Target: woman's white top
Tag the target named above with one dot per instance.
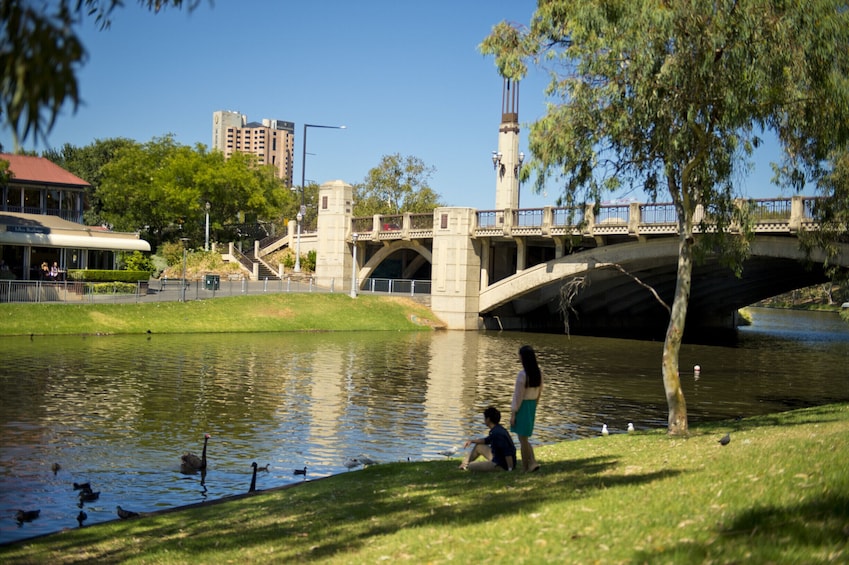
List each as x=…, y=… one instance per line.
x=522, y=393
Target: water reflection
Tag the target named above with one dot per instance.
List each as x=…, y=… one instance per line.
x=119, y=411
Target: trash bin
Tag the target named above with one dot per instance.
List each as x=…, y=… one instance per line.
x=211, y=282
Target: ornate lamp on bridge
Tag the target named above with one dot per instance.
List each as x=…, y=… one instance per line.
x=303, y=209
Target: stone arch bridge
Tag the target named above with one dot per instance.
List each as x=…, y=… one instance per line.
x=508, y=269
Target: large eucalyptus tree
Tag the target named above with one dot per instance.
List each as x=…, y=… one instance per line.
x=672, y=97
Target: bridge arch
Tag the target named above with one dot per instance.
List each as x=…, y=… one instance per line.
x=612, y=298
x=386, y=251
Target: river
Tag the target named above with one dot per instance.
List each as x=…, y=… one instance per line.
x=118, y=411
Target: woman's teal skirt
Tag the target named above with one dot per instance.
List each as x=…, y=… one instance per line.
x=525, y=418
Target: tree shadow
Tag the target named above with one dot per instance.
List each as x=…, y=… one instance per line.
x=769, y=534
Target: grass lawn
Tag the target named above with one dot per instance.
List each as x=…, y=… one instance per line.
x=254, y=313
x=778, y=493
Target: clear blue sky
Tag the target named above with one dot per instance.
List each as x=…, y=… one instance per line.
x=404, y=77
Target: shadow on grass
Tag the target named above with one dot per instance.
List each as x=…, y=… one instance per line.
x=805, y=416
x=339, y=514
x=794, y=533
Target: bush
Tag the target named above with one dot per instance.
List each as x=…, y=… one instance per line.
x=97, y=275
x=113, y=288
x=137, y=261
x=172, y=251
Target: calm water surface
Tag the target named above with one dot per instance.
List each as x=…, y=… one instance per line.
x=119, y=411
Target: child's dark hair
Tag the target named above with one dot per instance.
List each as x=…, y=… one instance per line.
x=493, y=414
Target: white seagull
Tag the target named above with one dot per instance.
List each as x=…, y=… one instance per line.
x=630, y=427
x=366, y=460
x=450, y=452
x=604, y=431
x=351, y=463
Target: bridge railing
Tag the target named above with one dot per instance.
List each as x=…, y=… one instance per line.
x=769, y=215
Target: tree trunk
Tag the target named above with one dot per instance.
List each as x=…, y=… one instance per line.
x=672, y=343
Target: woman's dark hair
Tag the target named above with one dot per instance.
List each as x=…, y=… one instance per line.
x=533, y=377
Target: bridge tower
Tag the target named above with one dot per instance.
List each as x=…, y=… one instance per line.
x=507, y=161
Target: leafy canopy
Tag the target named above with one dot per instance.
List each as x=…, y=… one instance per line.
x=41, y=54
x=396, y=185
x=161, y=188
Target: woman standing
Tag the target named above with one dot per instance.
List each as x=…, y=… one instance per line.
x=524, y=406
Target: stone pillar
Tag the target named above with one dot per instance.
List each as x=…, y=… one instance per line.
x=456, y=274
x=334, y=252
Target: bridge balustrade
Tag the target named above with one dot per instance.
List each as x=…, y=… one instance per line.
x=567, y=216
x=528, y=218
x=658, y=213
x=769, y=215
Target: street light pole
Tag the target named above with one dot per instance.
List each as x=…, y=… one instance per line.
x=206, y=239
x=185, y=241
x=354, y=268
x=303, y=209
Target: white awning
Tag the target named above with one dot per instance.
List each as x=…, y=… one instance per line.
x=91, y=241
x=52, y=231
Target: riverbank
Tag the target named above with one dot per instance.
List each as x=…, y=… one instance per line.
x=281, y=312
x=778, y=492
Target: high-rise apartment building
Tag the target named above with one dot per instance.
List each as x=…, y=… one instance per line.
x=272, y=141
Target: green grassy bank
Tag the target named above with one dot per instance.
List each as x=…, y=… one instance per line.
x=259, y=313
x=777, y=493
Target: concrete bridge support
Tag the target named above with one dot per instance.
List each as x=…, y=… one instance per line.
x=456, y=274
x=334, y=254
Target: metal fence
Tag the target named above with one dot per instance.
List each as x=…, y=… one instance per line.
x=176, y=290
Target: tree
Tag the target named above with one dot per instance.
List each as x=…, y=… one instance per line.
x=398, y=184
x=161, y=188
x=670, y=97
x=40, y=56
x=87, y=163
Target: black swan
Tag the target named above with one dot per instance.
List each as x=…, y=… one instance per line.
x=124, y=514
x=82, y=486
x=253, y=479
x=191, y=463
x=81, y=518
x=26, y=515
x=301, y=471
x=89, y=496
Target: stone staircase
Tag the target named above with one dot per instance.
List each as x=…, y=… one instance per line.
x=263, y=271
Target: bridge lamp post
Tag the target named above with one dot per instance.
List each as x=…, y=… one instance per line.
x=354, y=268
x=303, y=209
x=185, y=241
x=206, y=238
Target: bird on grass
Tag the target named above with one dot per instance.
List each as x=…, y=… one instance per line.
x=725, y=440
x=352, y=463
x=630, y=427
x=191, y=463
x=81, y=517
x=366, y=460
x=604, y=430
x=252, y=488
x=26, y=515
x=301, y=471
x=450, y=452
x=125, y=514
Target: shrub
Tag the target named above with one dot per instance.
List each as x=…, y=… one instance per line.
x=137, y=261
x=113, y=288
x=97, y=275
